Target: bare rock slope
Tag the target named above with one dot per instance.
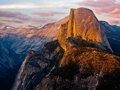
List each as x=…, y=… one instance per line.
x=83, y=23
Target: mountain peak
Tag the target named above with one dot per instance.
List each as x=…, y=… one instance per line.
x=83, y=23
x=82, y=9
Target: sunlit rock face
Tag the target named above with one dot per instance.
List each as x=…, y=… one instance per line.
x=98, y=62
x=83, y=23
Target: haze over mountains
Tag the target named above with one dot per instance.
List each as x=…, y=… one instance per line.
x=9, y=64
x=25, y=38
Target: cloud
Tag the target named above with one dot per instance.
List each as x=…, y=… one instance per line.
x=31, y=21
x=41, y=21
x=97, y=3
x=115, y=13
x=47, y=13
x=29, y=6
x=12, y=21
x=19, y=6
x=18, y=19
x=16, y=15
x=101, y=6
x=107, y=8
x=114, y=22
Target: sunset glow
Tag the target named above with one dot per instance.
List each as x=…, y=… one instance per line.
x=40, y=12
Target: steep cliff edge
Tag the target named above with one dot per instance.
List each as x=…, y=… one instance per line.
x=113, y=35
x=83, y=23
x=82, y=70
x=37, y=65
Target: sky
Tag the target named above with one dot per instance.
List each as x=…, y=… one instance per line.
x=40, y=12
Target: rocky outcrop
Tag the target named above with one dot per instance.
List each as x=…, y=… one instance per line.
x=38, y=70
x=37, y=65
x=92, y=63
x=83, y=23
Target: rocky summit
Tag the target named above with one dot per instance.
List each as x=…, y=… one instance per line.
x=83, y=23
x=80, y=59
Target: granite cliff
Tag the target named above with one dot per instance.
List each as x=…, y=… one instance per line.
x=83, y=23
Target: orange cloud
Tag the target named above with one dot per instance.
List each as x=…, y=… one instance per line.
x=16, y=15
x=101, y=6
x=115, y=11
x=110, y=8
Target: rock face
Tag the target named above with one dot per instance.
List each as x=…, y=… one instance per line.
x=92, y=66
x=113, y=35
x=37, y=70
x=83, y=23
x=37, y=65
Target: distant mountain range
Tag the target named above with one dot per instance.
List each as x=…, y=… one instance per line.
x=113, y=35
x=26, y=38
